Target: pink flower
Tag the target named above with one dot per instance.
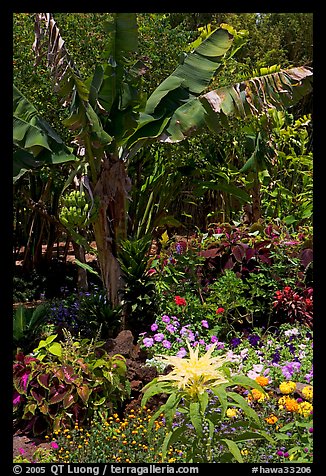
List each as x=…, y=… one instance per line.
x=54, y=445
x=22, y=451
x=205, y=324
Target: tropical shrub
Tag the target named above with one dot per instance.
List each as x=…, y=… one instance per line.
x=64, y=382
x=27, y=323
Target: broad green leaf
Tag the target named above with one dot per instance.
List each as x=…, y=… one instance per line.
x=221, y=394
x=19, y=323
x=55, y=349
x=234, y=449
x=195, y=417
x=249, y=412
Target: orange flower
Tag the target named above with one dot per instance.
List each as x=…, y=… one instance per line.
x=271, y=419
x=257, y=395
x=262, y=381
x=291, y=405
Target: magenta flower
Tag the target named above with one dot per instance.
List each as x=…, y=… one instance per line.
x=22, y=451
x=166, y=344
x=166, y=319
x=54, y=445
x=171, y=328
x=159, y=337
x=205, y=324
x=154, y=327
x=182, y=352
x=148, y=342
x=214, y=339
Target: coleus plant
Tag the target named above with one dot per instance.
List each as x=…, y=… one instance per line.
x=65, y=382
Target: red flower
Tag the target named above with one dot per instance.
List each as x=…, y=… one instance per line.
x=220, y=310
x=180, y=301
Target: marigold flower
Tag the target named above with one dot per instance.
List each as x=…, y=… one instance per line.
x=305, y=408
x=291, y=405
x=271, y=419
x=257, y=395
x=262, y=381
x=232, y=412
x=307, y=392
x=287, y=387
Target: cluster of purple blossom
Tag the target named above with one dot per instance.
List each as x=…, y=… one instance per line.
x=170, y=330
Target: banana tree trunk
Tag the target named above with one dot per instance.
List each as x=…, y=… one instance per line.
x=110, y=226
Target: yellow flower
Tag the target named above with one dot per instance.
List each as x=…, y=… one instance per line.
x=304, y=408
x=244, y=452
x=195, y=374
x=307, y=392
x=232, y=412
x=291, y=405
x=271, y=419
x=287, y=387
x=262, y=381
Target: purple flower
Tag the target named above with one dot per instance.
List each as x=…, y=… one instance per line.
x=254, y=339
x=290, y=368
x=235, y=341
x=178, y=248
x=311, y=430
x=154, y=327
x=286, y=454
x=159, y=337
x=191, y=336
x=279, y=453
x=182, y=352
x=214, y=339
x=202, y=342
x=170, y=328
x=205, y=324
x=220, y=345
x=166, y=344
x=148, y=342
x=276, y=357
x=166, y=319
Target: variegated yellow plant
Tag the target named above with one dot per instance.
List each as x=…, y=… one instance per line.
x=194, y=375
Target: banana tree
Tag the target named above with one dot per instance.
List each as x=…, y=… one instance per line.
x=112, y=119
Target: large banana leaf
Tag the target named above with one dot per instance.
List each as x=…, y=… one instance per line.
x=69, y=85
x=172, y=107
x=279, y=90
x=36, y=141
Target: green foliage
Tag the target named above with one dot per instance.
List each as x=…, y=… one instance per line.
x=138, y=293
x=27, y=323
x=65, y=382
x=230, y=293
